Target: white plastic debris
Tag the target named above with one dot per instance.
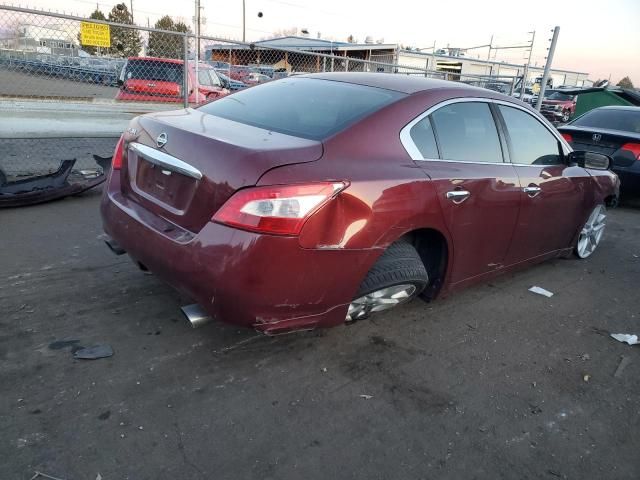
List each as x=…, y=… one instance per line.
x=626, y=338
x=541, y=291
x=366, y=397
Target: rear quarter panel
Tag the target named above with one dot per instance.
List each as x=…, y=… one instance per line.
x=388, y=196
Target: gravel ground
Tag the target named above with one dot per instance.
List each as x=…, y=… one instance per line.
x=494, y=382
x=25, y=84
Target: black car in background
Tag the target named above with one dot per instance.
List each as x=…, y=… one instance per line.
x=614, y=131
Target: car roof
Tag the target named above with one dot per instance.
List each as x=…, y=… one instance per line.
x=401, y=83
x=630, y=108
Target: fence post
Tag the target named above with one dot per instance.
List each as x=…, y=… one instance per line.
x=185, y=71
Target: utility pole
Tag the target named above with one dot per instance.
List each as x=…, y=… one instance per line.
x=490, y=45
x=196, y=55
x=199, y=23
x=244, y=22
x=131, y=5
x=525, y=76
x=547, y=67
x=434, y=67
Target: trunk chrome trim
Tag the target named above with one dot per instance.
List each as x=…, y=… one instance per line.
x=165, y=160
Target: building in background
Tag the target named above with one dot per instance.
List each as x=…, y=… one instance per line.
x=465, y=66
x=35, y=38
x=449, y=64
x=263, y=53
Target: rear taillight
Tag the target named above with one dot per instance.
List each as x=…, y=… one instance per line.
x=116, y=162
x=278, y=209
x=567, y=137
x=634, y=148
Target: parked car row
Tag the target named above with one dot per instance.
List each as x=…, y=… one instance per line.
x=92, y=70
x=162, y=80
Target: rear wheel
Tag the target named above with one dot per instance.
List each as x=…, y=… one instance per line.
x=591, y=232
x=397, y=277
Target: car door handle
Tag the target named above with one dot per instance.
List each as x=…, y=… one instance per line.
x=532, y=190
x=458, y=196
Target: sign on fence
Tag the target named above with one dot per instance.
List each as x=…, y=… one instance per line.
x=95, y=34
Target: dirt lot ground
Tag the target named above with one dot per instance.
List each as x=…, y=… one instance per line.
x=25, y=84
x=487, y=384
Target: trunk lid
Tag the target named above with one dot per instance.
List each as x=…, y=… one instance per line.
x=602, y=140
x=204, y=160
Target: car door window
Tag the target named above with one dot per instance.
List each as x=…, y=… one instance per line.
x=215, y=81
x=467, y=132
x=531, y=142
x=204, y=78
x=422, y=135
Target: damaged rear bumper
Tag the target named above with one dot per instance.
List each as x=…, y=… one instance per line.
x=53, y=186
x=266, y=282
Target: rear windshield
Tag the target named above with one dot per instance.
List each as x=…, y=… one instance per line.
x=303, y=107
x=153, y=70
x=625, y=120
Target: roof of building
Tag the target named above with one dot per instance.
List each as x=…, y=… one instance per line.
x=306, y=43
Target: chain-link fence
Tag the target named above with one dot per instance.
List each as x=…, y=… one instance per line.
x=69, y=85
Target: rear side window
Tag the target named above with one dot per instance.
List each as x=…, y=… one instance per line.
x=303, y=107
x=425, y=141
x=531, y=143
x=467, y=132
x=613, y=119
x=208, y=78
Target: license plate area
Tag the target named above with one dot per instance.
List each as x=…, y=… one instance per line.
x=163, y=186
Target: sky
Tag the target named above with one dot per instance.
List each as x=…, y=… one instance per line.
x=598, y=37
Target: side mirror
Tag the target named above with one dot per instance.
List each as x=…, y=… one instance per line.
x=592, y=160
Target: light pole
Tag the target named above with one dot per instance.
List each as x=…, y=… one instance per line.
x=244, y=22
x=547, y=67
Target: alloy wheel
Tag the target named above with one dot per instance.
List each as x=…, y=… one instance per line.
x=380, y=300
x=591, y=233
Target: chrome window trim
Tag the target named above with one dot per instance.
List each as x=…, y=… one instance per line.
x=165, y=160
x=413, y=151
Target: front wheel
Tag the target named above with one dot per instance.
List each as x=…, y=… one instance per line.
x=591, y=232
x=565, y=116
x=397, y=277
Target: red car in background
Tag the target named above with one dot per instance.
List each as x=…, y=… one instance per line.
x=558, y=106
x=318, y=199
x=150, y=79
x=239, y=72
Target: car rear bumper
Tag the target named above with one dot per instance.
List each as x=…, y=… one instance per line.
x=141, y=97
x=266, y=282
x=629, y=178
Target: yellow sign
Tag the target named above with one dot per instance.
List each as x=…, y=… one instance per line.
x=95, y=34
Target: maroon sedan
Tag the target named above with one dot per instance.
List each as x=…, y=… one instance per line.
x=316, y=199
